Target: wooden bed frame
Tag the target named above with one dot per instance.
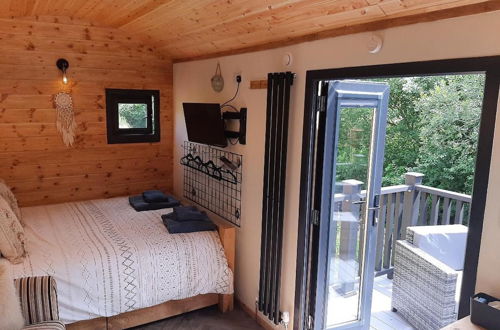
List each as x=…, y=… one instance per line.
x=227, y=235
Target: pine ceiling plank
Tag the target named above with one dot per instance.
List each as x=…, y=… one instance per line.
x=87, y=8
x=276, y=23
x=53, y=7
x=135, y=10
x=406, y=7
x=351, y=29
x=17, y=7
x=184, y=29
x=270, y=25
x=233, y=37
x=203, y=14
x=41, y=7
x=29, y=7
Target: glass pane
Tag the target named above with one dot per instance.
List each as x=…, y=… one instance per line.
x=132, y=115
x=346, y=243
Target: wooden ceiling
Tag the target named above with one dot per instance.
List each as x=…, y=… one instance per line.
x=191, y=29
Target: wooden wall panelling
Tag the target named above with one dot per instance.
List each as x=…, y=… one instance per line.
x=33, y=159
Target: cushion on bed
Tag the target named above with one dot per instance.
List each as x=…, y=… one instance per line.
x=154, y=196
x=11, y=317
x=178, y=227
x=11, y=234
x=9, y=196
x=139, y=204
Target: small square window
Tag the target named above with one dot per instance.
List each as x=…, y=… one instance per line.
x=132, y=115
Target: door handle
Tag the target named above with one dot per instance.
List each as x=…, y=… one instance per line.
x=375, y=207
x=358, y=202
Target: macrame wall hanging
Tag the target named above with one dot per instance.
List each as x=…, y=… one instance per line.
x=65, y=117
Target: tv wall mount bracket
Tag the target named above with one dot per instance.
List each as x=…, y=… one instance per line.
x=241, y=135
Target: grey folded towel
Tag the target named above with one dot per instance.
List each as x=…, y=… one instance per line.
x=189, y=213
x=154, y=196
x=139, y=204
x=177, y=227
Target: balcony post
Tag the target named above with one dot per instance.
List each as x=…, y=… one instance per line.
x=349, y=233
x=411, y=202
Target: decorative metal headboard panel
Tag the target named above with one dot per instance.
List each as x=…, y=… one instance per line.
x=212, y=182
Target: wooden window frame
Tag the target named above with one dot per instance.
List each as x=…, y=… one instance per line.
x=307, y=230
x=132, y=135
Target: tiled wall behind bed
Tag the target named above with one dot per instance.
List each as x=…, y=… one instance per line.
x=33, y=158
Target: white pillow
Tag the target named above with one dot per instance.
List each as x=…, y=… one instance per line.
x=11, y=317
x=9, y=196
x=11, y=234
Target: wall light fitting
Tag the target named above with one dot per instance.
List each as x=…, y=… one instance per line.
x=63, y=65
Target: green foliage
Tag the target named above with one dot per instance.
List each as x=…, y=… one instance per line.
x=354, y=142
x=432, y=128
x=450, y=114
x=403, y=126
x=132, y=115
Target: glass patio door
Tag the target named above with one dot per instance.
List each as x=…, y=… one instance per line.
x=354, y=135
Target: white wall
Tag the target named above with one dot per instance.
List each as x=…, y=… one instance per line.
x=460, y=37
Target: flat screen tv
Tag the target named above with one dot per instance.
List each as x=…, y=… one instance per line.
x=204, y=124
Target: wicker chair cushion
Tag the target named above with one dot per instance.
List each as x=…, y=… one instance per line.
x=446, y=243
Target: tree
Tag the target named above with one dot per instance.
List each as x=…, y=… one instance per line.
x=132, y=115
x=450, y=114
x=432, y=127
x=403, y=126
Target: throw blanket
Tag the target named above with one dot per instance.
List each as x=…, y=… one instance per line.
x=108, y=259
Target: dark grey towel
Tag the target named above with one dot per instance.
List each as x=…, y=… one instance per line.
x=189, y=213
x=138, y=203
x=177, y=227
x=154, y=196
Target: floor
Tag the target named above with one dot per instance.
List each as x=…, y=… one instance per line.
x=206, y=319
x=210, y=318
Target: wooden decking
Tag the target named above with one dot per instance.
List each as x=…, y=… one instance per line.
x=382, y=317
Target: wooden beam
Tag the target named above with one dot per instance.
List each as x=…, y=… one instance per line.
x=258, y=84
x=382, y=24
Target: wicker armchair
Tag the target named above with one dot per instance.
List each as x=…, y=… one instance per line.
x=423, y=289
x=38, y=297
x=427, y=268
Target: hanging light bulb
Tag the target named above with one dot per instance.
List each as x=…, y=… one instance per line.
x=63, y=65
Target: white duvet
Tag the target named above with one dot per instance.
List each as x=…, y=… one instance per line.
x=109, y=259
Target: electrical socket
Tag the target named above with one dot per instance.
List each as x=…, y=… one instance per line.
x=237, y=77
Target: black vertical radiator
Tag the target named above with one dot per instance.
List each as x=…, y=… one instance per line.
x=273, y=198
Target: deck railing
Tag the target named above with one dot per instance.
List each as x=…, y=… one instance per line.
x=401, y=206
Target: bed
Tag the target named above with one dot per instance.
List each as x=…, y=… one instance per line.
x=116, y=267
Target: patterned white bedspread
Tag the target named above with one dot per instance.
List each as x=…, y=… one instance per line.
x=109, y=259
